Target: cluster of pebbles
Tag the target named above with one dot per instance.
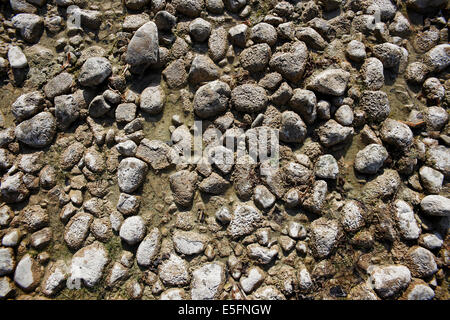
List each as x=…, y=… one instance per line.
x=95, y=202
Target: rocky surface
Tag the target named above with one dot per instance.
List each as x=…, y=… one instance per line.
x=224, y=149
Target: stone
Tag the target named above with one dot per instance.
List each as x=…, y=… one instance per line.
x=352, y=216
x=125, y=112
x=433, y=89
x=311, y=37
x=396, y=133
x=263, y=198
x=71, y=155
x=128, y=204
x=189, y=242
x=156, y=153
x=54, y=278
x=67, y=111
x=420, y=292
x=98, y=107
x=17, y=58
x=249, y=98
x=223, y=215
x=101, y=229
x=34, y=218
x=244, y=221
x=400, y=26
x=292, y=129
x=93, y=160
x=268, y=293
x=199, y=29
x=435, y=118
x=431, y=179
x=13, y=189
x=165, y=21
x=175, y=74
x=173, y=293
x=304, y=102
x=332, y=133
x=324, y=237
x=12, y=238
x=436, y=205
x=190, y=8
x=238, y=35
x=389, y=280
x=94, y=71
x=88, y=264
x=254, y=278
x=131, y=174
x=27, y=105
x=6, y=288
x=438, y=157
x=202, y=69
x=431, y=241
x=416, y=72
x=133, y=22
x=117, y=273
x=370, y=159
x=136, y=4
x=133, y=230
x=183, y=184
x=263, y=33
x=291, y=65
x=38, y=131
x=372, y=73
x=421, y=262
x=382, y=186
x=255, y=58
x=326, y=167
x=148, y=248
x=127, y=148
x=28, y=273
x=438, y=58
x=214, y=184
x=344, y=115
x=218, y=44
x=77, y=229
x=316, y=198
x=356, y=51
x=7, y=261
x=389, y=54
x=59, y=85
x=152, y=100
x=207, y=281
x=40, y=239
x=261, y=255
x=331, y=81
x=30, y=26
x=406, y=222
x=143, y=49
x=174, y=271
x=214, y=6
x=211, y=99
